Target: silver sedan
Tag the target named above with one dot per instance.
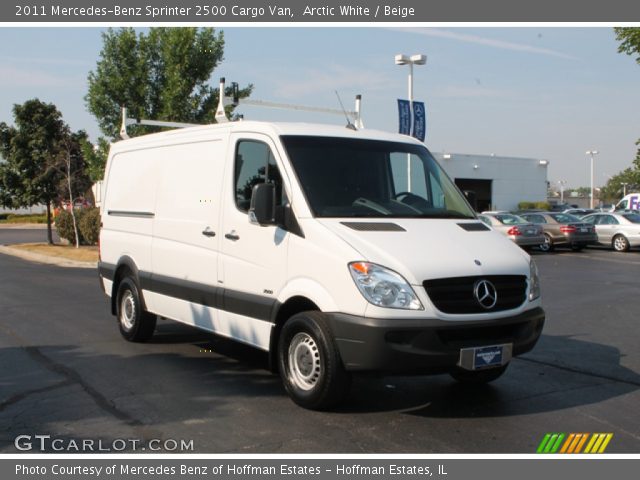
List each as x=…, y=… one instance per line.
x=523, y=233
x=618, y=230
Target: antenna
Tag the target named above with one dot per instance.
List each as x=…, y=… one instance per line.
x=350, y=125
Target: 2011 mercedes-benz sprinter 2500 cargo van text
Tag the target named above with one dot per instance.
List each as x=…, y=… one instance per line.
x=337, y=251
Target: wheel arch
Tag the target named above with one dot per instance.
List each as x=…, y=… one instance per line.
x=620, y=235
x=125, y=265
x=292, y=306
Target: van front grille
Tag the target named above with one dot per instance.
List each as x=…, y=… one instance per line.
x=457, y=294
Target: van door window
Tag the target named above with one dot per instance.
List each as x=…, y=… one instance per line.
x=255, y=164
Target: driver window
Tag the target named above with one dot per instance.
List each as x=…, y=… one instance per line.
x=408, y=174
x=255, y=164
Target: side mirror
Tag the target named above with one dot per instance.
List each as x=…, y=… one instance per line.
x=262, y=210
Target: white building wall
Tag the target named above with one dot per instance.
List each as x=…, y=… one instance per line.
x=514, y=179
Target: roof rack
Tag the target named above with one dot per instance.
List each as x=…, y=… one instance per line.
x=224, y=100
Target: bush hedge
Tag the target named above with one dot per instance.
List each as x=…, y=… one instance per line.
x=88, y=222
x=534, y=205
x=89, y=225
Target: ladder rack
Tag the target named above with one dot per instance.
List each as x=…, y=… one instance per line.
x=224, y=100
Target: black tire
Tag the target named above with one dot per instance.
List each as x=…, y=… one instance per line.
x=620, y=243
x=478, y=377
x=547, y=246
x=136, y=325
x=310, y=363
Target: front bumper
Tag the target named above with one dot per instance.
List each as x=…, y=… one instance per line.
x=404, y=346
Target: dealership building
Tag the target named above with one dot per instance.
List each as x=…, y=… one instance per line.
x=497, y=183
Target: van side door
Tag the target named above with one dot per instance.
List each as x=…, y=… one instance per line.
x=186, y=232
x=253, y=261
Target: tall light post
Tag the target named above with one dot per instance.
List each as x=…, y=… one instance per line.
x=562, y=183
x=624, y=189
x=591, y=153
x=412, y=60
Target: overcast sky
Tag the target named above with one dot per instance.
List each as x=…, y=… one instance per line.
x=548, y=93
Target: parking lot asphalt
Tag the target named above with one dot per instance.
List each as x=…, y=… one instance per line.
x=66, y=372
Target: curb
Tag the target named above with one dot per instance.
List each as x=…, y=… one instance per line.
x=40, y=258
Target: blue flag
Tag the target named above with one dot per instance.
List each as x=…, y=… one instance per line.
x=419, y=121
x=404, y=113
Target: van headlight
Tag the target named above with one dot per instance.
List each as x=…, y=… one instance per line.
x=534, y=281
x=383, y=287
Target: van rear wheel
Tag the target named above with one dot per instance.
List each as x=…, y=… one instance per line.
x=310, y=363
x=136, y=325
x=478, y=377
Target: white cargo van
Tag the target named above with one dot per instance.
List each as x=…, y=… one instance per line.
x=336, y=250
x=629, y=202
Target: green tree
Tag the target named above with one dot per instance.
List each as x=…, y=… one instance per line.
x=95, y=157
x=28, y=149
x=164, y=74
x=43, y=159
x=628, y=179
x=629, y=38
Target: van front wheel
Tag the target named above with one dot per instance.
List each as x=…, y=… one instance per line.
x=135, y=324
x=310, y=363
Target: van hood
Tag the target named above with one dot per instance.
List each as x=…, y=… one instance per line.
x=422, y=249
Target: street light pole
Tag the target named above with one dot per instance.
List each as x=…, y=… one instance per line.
x=562, y=183
x=591, y=153
x=412, y=60
x=624, y=189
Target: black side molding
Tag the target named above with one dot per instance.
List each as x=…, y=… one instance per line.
x=130, y=213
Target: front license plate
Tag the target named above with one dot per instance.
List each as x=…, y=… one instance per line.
x=478, y=358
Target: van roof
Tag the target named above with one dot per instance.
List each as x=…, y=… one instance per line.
x=273, y=128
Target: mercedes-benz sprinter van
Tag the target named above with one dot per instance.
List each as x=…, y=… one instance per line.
x=337, y=251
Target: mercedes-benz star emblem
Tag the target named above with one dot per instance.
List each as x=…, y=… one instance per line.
x=486, y=294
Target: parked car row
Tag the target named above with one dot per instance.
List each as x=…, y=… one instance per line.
x=548, y=230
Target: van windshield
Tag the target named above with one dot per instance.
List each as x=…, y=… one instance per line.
x=343, y=177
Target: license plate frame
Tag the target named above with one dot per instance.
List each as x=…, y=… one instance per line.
x=486, y=356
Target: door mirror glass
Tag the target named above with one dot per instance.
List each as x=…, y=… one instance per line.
x=262, y=210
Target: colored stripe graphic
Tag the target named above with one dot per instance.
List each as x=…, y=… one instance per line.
x=574, y=443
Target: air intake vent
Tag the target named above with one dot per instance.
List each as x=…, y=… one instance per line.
x=474, y=227
x=374, y=226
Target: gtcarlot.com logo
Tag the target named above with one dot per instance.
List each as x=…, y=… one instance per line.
x=47, y=443
x=574, y=443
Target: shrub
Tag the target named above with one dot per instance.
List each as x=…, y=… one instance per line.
x=526, y=205
x=89, y=225
x=534, y=205
x=64, y=226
